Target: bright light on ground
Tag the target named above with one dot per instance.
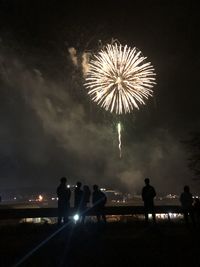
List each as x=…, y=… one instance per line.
x=76, y=217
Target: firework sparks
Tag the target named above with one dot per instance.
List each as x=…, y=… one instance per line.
x=118, y=79
x=119, y=139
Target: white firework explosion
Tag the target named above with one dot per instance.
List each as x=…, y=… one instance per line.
x=118, y=79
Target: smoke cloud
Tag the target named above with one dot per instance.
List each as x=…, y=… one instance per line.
x=47, y=133
x=73, y=55
x=85, y=62
x=80, y=61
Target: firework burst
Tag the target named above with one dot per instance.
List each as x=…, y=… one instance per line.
x=118, y=78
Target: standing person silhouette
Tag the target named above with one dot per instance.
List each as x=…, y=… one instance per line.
x=186, y=200
x=85, y=200
x=197, y=210
x=78, y=197
x=99, y=200
x=148, y=195
x=63, y=194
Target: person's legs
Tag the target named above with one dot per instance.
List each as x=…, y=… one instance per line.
x=103, y=214
x=65, y=213
x=59, y=220
x=98, y=218
x=98, y=214
x=153, y=214
x=185, y=214
x=154, y=217
x=83, y=211
x=66, y=219
x=59, y=215
x=191, y=213
x=146, y=214
x=83, y=219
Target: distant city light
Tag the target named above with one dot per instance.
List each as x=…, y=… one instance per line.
x=169, y=215
x=40, y=198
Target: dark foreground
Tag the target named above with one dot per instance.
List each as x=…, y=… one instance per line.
x=116, y=244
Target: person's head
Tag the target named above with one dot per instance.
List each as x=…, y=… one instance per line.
x=63, y=180
x=78, y=184
x=147, y=181
x=95, y=187
x=186, y=189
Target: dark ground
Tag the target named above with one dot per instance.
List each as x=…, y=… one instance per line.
x=116, y=244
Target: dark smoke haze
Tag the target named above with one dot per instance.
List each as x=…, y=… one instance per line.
x=49, y=127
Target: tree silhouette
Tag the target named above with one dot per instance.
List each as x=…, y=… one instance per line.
x=193, y=147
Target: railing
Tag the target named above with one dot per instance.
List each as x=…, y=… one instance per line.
x=53, y=212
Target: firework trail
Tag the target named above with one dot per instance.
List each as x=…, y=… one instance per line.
x=118, y=79
x=119, y=139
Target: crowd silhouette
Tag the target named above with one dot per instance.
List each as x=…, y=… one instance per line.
x=83, y=196
x=81, y=199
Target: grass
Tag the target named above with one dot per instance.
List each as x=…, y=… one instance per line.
x=114, y=244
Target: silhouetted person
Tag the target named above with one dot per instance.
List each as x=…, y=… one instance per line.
x=148, y=195
x=85, y=200
x=186, y=200
x=197, y=209
x=78, y=197
x=64, y=195
x=99, y=200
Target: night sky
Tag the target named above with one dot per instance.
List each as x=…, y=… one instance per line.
x=50, y=128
